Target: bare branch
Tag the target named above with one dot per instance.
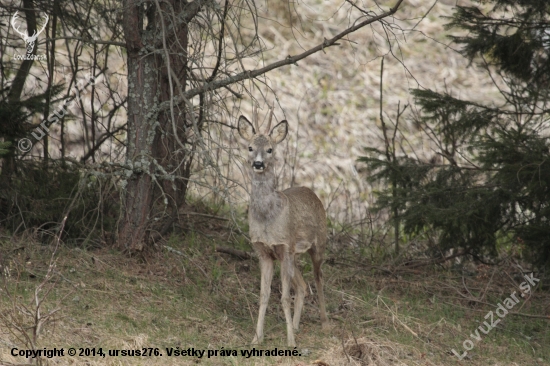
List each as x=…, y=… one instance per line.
x=88, y=40
x=234, y=252
x=287, y=61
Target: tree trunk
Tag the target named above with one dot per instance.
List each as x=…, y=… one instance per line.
x=142, y=95
x=167, y=149
x=152, y=142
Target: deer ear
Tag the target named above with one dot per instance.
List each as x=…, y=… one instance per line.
x=278, y=133
x=245, y=128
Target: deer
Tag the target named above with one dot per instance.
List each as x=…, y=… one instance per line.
x=282, y=225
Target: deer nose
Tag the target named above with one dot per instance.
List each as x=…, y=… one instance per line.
x=258, y=165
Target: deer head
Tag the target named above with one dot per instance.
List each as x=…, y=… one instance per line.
x=261, y=146
x=29, y=40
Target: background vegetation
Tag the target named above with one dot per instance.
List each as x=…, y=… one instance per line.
x=424, y=133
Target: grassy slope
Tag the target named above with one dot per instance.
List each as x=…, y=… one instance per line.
x=207, y=300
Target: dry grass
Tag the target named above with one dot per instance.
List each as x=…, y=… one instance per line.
x=205, y=300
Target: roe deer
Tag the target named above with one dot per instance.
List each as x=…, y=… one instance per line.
x=282, y=225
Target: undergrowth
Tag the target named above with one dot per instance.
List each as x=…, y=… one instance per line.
x=191, y=296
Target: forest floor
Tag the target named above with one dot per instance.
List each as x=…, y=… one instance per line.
x=190, y=296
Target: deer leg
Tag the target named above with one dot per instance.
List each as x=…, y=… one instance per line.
x=287, y=273
x=266, y=268
x=300, y=288
x=317, y=259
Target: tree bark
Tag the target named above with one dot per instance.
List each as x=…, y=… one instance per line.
x=152, y=136
x=142, y=99
x=168, y=151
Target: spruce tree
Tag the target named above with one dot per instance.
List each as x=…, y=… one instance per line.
x=492, y=188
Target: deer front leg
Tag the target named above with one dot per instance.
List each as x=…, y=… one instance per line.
x=287, y=274
x=266, y=268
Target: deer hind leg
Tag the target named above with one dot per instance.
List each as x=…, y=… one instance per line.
x=266, y=268
x=300, y=288
x=317, y=259
x=287, y=273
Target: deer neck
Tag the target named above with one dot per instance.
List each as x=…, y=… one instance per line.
x=265, y=202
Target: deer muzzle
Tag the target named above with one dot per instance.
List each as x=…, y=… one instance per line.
x=258, y=166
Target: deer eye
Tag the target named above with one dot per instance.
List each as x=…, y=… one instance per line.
x=250, y=148
x=269, y=151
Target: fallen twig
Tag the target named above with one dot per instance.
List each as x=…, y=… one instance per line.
x=234, y=252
